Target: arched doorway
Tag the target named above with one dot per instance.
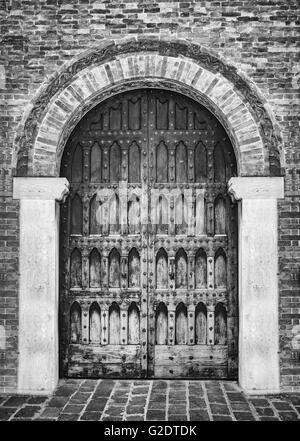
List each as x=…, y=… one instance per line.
x=148, y=248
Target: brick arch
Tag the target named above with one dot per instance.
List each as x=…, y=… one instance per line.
x=119, y=66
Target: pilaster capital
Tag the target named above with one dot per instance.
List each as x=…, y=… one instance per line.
x=256, y=187
x=40, y=188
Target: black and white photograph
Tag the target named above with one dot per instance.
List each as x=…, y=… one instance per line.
x=149, y=213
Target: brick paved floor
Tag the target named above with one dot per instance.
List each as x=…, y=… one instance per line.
x=158, y=400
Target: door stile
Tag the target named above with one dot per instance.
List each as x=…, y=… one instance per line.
x=64, y=264
x=151, y=219
x=145, y=240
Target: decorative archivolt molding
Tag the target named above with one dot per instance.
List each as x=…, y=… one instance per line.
x=111, y=51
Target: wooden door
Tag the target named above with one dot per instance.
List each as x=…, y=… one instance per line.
x=192, y=243
x=148, y=282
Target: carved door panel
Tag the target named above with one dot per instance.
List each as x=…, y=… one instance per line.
x=192, y=243
x=148, y=282
x=104, y=242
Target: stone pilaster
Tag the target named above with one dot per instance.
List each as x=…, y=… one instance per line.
x=38, y=282
x=258, y=281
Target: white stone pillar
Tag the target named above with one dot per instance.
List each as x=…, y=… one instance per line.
x=38, y=282
x=258, y=281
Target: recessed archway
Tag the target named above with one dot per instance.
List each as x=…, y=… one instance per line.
x=39, y=144
x=146, y=142
x=124, y=65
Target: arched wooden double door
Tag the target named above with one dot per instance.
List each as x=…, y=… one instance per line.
x=148, y=283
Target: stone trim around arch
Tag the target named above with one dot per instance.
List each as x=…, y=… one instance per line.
x=119, y=66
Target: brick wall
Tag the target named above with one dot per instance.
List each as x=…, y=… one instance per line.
x=38, y=37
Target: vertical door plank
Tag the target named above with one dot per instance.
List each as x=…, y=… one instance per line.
x=191, y=270
x=220, y=324
x=115, y=117
x=133, y=324
x=181, y=335
x=181, y=269
x=123, y=195
x=190, y=212
x=86, y=215
x=191, y=325
x=85, y=324
x=105, y=215
x=75, y=323
x=124, y=270
x=161, y=325
x=76, y=215
x=115, y=163
x=200, y=213
x=209, y=209
x=106, y=158
x=181, y=215
x=134, y=163
x=134, y=269
x=181, y=117
x=220, y=215
x=162, y=163
x=95, y=269
x=171, y=326
x=96, y=120
x=219, y=164
x=96, y=215
x=77, y=164
x=106, y=119
x=86, y=169
x=162, y=218
x=220, y=269
x=200, y=269
x=114, y=324
x=134, y=114
x=172, y=272
x=114, y=269
x=173, y=214
x=124, y=326
x=210, y=272
x=85, y=269
x=162, y=114
x=172, y=164
x=200, y=163
x=199, y=121
x=105, y=270
x=210, y=329
x=95, y=324
x=76, y=269
x=181, y=162
x=162, y=215
x=104, y=326
x=134, y=215
x=191, y=163
x=162, y=269
x=114, y=214
x=96, y=163
x=200, y=324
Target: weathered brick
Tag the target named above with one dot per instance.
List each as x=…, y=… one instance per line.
x=261, y=40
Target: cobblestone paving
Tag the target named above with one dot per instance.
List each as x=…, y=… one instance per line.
x=157, y=400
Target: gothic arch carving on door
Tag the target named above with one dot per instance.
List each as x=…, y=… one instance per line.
x=148, y=246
